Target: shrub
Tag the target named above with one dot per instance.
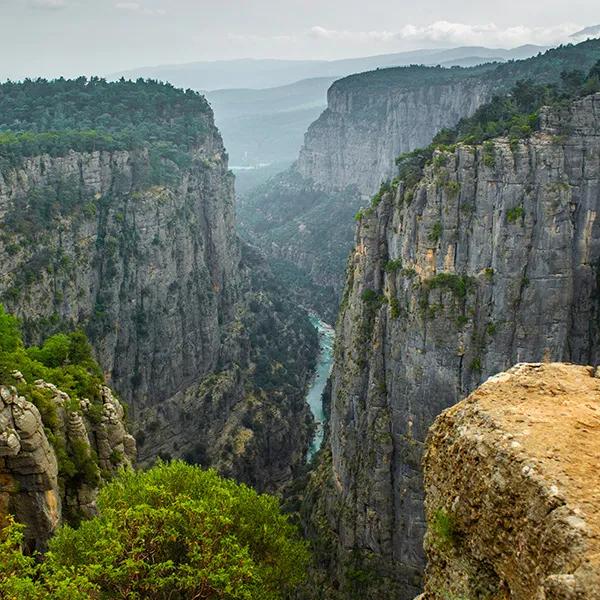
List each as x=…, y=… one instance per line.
x=475, y=365
x=514, y=214
x=391, y=266
x=370, y=296
x=394, y=308
x=459, y=285
x=435, y=233
x=443, y=529
x=177, y=531
x=489, y=154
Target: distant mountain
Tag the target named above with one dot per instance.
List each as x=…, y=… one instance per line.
x=304, y=94
x=588, y=32
x=263, y=107
x=258, y=74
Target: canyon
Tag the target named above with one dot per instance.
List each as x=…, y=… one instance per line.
x=137, y=247
x=303, y=219
x=212, y=345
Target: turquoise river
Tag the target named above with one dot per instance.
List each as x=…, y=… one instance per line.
x=315, y=392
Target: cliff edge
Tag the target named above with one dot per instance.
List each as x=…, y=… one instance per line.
x=513, y=488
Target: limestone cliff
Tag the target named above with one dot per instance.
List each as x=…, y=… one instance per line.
x=36, y=484
x=303, y=217
x=366, y=126
x=137, y=245
x=492, y=259
x=513, y=489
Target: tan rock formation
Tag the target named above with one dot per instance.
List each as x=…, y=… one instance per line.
x=512, y=478
x=33, y=487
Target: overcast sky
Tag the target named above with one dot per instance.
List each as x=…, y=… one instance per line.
x=70, y=37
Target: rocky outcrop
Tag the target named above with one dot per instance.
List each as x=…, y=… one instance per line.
x=43, y=481
x=513, y=489
x=140, y=250
x=492, y=259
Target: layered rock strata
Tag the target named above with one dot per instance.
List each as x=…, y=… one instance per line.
x=492, y=259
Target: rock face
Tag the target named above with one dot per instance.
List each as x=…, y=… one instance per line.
x=304, y=217
x=513, y=489
x=493, y=259
x=150, y=270
x=164, y=289
x=31, y=486
x=356, y=140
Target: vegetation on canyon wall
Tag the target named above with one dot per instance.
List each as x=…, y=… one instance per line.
x=514, y=115
x=65, y=361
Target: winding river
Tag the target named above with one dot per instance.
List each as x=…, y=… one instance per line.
x=313, y=397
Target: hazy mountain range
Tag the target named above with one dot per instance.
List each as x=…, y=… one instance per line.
x=264, y=107
x=267, y=73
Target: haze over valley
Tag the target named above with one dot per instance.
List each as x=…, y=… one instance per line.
x=309, y=310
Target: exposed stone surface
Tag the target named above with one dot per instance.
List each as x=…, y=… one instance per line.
x=356, y=140
x=31, y=486
x=513, y=489
x=162, y=285
x=304, y=216
x=495, y=261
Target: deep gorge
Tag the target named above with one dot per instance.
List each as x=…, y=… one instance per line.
x=476, y=249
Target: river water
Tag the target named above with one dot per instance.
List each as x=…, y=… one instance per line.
x=324, y=363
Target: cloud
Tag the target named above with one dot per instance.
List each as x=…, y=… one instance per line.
x=443, y=33
x=322, y=33
x=48, y=4
x=253, y=38
x=140, y=8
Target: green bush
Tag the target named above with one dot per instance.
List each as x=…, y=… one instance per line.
x=435, y=233
x=489, y=154
x=515, y=214
x=174, y=532
x=391, y=266
x=459, y=285
x=370, y=296
x=443, y=529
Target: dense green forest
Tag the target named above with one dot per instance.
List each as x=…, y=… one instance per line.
x=173, y=532
x=40, y=116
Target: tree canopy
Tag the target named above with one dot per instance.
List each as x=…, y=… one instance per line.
x=175, y=531
x=40, y=116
